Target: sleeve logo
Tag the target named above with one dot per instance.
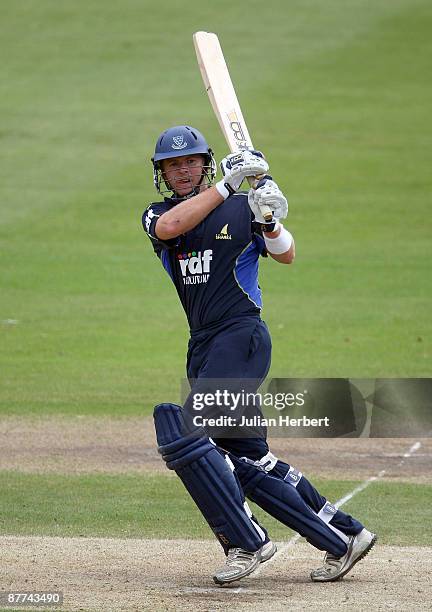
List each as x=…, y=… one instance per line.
x=148, y=219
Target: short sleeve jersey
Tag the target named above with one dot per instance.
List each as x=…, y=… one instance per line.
x=214, y=267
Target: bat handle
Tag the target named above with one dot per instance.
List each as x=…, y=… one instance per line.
x=265, y=210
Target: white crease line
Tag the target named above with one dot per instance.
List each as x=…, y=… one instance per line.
x=413, y=449
x=361, y=487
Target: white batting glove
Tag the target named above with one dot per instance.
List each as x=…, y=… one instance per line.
x=236, y=167
x=267, y=193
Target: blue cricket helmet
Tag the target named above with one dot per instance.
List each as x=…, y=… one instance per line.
x=179, y=141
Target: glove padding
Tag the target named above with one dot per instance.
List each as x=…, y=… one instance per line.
x=267, y=193
x=237, y=166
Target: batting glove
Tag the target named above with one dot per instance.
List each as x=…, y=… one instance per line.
x=236, y=167
x=267, y=193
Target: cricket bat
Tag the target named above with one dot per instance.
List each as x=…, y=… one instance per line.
x=223, y=99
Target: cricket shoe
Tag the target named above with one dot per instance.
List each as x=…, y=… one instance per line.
x=335, y=568
x=267, y=551
x=239, y=563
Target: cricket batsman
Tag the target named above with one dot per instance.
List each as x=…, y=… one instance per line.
x=209, y=238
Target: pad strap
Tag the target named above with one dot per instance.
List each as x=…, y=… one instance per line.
x=293, y=476
x=266, y=463
x=326, y=514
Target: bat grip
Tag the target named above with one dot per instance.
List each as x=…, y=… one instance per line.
x=265, y=210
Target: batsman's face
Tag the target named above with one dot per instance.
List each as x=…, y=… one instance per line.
x=183, y=173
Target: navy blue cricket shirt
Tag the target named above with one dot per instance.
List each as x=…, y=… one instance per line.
x=214, y=266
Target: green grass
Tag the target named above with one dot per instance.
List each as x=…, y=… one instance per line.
x=159, y=507
x=340, y=102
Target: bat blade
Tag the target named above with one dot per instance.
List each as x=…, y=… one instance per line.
x=223, y=98
x=220, y=90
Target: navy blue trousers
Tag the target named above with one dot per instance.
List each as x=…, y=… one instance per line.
x=240, y=348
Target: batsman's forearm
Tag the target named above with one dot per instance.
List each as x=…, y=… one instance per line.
x=185, y=216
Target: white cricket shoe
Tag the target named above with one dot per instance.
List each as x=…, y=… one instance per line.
x=267, y=551
x=239, y=563
x=335, y=568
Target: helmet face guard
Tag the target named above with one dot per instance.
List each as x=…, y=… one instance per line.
x=182, y=141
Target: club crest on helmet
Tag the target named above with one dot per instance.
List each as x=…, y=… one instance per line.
x=179, y=143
